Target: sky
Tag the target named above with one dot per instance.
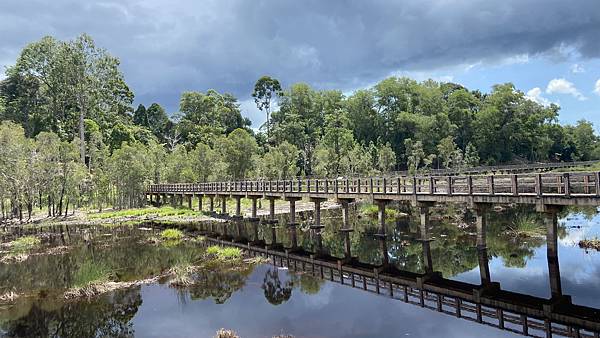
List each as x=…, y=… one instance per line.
x=548, y=48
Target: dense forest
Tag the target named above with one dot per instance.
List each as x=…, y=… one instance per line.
x=70, y=135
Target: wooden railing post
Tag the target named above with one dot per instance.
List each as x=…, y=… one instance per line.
x=398, y=185
x=567, y=184
x=470, y=185
x=431, y=189
x=491, y=184
x=538, y=185
x=449, y=180
x=514, y=186
x=597, y=182
x=384, y=185
x=371, y=186
x=414, y=185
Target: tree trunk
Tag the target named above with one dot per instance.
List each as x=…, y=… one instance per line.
x=82, y=136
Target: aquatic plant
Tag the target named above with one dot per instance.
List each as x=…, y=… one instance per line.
x=150, y=211
x=372, y=211
x=223, y=333
x=526, y=226
x=92, y=273
x=24, y=244
x=224, y=253
x=213, y=250
x=171, y=234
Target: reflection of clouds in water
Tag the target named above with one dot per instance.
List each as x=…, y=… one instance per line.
x=320, y=300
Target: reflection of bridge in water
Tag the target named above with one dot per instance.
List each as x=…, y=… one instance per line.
x=485, y=303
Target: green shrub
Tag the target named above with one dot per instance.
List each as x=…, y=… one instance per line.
x=171, y=234
x=92, y=273
x=24, y=244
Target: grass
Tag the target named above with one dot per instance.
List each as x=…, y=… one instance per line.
x=171, y=234
x=92, y=273
x=372, y=211
x=150, y=211
x=225, y=253
x=526, y=226
x=24, y=244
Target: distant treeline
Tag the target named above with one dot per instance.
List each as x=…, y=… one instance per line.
x=70, y=134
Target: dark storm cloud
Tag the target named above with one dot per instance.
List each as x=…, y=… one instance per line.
x=167, y=47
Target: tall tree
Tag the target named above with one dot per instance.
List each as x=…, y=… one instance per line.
x=264, y=90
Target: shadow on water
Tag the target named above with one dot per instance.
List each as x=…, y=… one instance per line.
x=510, y=281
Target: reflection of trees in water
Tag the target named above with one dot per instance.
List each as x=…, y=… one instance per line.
x=309, y=284
x=107, y=316
x=218, y=284
x=276, y=292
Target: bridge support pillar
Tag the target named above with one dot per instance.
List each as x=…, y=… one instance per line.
x=481, y=223
x=224, y=205
x=238, y=205
x=551, y=223
x=347, y=243
x=385, y=260
x=484, y=267
x=292, y=221
x=181, y=200
x=345, y=202
x=211, y=203
x=254, y=208
x=190, y=201
x=381, y=215
x=272, y=208
x=200, y=197
x=151, y=199
x=425, y=241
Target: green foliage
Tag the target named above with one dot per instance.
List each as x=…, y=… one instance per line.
x=171, y=234
x=90, y=272
x=224, y=253
x=24, y=244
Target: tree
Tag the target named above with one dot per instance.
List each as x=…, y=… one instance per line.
x=386, y=158
x=238, y=149
x=264, y=90
x=446, y=149
x=280, y=162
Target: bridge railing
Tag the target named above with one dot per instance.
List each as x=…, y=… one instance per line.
x=549, y=184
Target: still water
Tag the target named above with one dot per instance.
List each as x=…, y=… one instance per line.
x=268, y=300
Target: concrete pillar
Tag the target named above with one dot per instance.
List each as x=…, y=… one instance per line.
x=224, y=205
x=292, y=211
x=255, y=228
x=384, y=251
x=254, y=209
x=381, y=215
x=427, y=260
x=271, y=208
x=317, y=212
x=484, y=267
x=200, y=197
x=551, y=223
x=238, y=205
x=481, y=223
x=345, y=215
x=347, y=244
x=190, y=201
x=293, y=235
x=425, y=242
x=211, y=203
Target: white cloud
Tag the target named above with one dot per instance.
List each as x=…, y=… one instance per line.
x=535, y=95
x=562, y=86
x=577, y=68
x=597, y=87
